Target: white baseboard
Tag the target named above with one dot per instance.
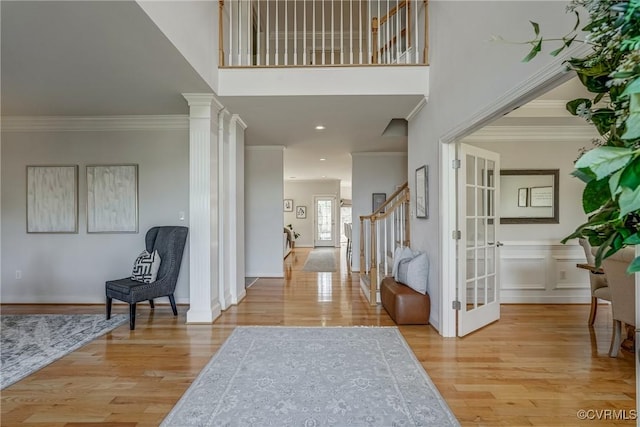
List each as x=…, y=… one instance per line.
x=266, y=275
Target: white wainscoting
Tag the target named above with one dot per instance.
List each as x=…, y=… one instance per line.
x=543, y=272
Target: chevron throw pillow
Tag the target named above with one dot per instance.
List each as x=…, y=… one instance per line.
x=146, y=267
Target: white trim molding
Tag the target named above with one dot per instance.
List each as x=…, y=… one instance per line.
x=533, y=133
x=94, y=124
x=417, y=109
x=264, y=147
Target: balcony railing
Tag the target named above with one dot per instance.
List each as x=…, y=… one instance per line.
x=298, y=33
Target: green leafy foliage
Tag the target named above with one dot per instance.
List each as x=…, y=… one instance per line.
x=604, y=161
x=611, y=71
x=595, y=194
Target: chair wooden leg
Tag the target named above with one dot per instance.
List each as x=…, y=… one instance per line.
x=594, y=310
x=172, y=300
x=109, y=299
x=132, y=316
x=616, y=338
x=152, y=304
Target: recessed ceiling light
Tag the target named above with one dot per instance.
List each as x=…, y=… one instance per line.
x=322, y=159
x=320, y=127
x=324, y=176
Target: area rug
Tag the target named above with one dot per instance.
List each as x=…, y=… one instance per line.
x=30, y=342
x=321, y=260
x=283, y=376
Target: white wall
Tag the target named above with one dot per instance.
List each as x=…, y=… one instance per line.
x=194, y=34
x=373, y=173
x=467, y=74
x=73, y=268
x=302, y=192
x=264, y=170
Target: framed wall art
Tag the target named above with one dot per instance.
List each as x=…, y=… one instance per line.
x=377, y=200
x=112, y=199
x=52, y=199
x=301, y=212
x=288, y=205
x=422, y=192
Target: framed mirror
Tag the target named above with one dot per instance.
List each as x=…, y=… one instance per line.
x=529, y=196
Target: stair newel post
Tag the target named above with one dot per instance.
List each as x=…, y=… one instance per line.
x=373, y=272
x=220, y=33
x=374, y=39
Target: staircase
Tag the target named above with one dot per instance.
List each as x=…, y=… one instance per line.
x=380, y=234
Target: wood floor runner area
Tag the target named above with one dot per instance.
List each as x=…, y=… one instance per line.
x=538, y=365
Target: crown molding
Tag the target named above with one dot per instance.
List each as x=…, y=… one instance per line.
x=532, y=134
x=542, y=108
x=416, y=109
x=265, y=147
x=93, y=124
x=379, y=154
x=238, y=120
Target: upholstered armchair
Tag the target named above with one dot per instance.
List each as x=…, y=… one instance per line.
x=599, y=285
x=623, y=294
x=169, y=241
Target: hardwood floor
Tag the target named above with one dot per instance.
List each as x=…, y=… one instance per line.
x=538, y=365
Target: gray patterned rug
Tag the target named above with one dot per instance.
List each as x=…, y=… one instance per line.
x=281, y=376
x=30, y=342
x=321, y=260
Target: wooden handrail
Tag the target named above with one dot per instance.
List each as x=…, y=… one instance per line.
x=393, y=11
x=387, y=202
x=377, y=233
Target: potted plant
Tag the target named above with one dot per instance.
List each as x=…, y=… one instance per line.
x=295, y=235
x=611, y=168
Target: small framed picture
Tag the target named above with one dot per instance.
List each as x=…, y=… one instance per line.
x=422, y=192
x=523, y=197
x=301, y=212
x=377, y=200
x=288, y=205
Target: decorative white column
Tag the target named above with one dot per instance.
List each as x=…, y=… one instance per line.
x=235, y=160
x=203, y=199
x=224, y=291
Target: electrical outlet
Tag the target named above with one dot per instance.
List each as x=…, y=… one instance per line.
x=563, y=275
x=18, y=274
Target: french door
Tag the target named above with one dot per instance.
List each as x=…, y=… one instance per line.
x=478, y=221
x=324, y=220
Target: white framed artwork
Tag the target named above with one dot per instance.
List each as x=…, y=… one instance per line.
x=112, y=199
x=52, y=199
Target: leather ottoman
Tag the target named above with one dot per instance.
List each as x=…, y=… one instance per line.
x=404, y=305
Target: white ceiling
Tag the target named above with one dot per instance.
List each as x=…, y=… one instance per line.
x=353, y=124
x=89, y=58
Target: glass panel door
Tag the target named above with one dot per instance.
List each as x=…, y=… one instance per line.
x=324, y=221
x=478, y=188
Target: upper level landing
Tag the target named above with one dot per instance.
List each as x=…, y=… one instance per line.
x=322, y=47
